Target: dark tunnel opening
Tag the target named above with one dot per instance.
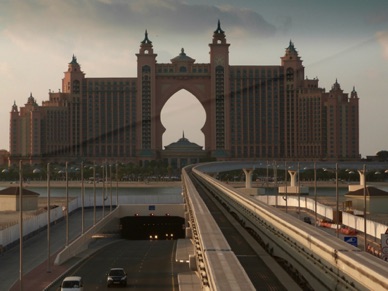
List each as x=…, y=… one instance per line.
x=152, y=227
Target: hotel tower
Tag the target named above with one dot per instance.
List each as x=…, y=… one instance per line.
x=252, y=112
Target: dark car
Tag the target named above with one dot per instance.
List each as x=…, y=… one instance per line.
x=307, y=219
x=116, y=276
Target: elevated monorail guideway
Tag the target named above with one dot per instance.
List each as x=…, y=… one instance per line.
x=216, y=167
x=263, y=270
x=325, y=261
x=216, y=264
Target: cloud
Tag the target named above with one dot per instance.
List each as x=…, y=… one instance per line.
x=5, y=69
x=377, y=16
x=382, y=38
x=246, y=21
x=107, y=30
x=69, y=21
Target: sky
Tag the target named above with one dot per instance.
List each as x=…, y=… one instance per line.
x=343, y=40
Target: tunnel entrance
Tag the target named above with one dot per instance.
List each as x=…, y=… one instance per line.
x=152, y=227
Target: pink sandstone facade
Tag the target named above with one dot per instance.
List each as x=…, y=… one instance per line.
x=252, y=112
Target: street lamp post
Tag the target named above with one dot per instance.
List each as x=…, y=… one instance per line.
x=94, y=193
x=286, y=178
x=103, y=190
x=21, y=225
x=298, y=189
x=117, y=185
x=48, y=218
x=315, y=193
x=67, y=204
x=365, y=234
x=276, y=184
x=82, y=199
x=110, y=191
x=336, y=198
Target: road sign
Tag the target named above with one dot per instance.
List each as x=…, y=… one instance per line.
x=351, y=240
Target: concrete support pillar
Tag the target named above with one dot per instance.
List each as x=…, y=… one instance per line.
x=362, y=184
x=248, y=178
x=294, y=187
x=293, y=175
x=362, y=177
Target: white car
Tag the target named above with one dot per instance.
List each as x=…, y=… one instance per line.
x=72, y=283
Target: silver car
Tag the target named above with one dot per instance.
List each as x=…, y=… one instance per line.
x=72, y=283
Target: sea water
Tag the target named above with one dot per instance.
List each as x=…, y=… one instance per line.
x=120, y=191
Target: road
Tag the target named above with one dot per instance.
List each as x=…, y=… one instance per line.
x=150, y=265
x=360, y=235
x=35, y=249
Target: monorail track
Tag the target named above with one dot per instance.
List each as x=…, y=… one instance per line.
x=255, y=262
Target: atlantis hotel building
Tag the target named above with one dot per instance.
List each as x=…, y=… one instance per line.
x=252, y=112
